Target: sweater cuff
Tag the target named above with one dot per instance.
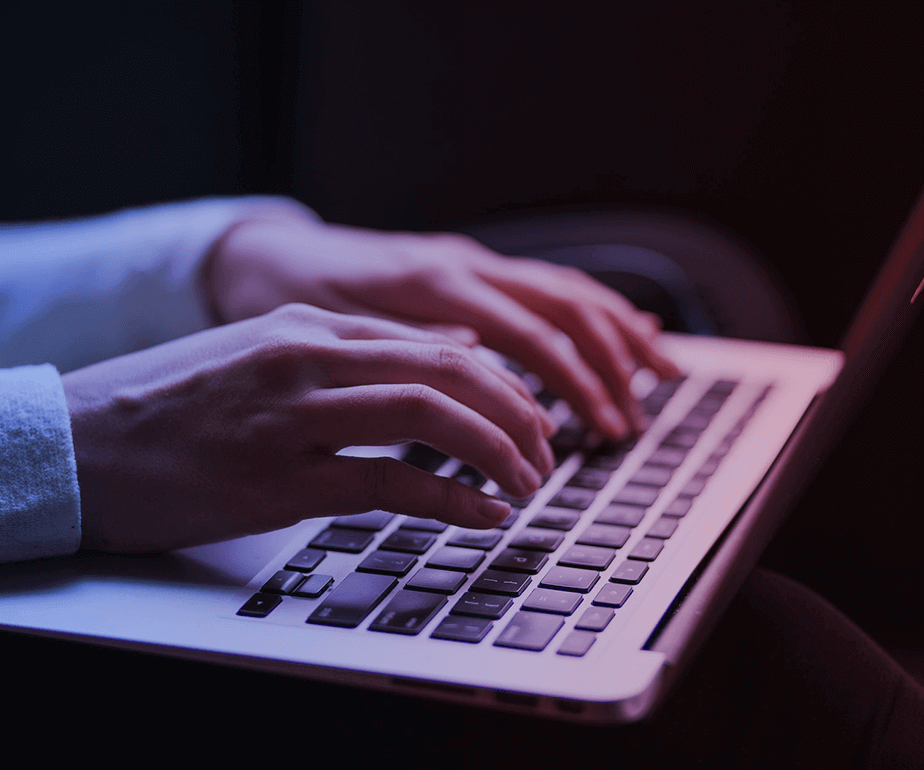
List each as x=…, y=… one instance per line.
x=39, y=496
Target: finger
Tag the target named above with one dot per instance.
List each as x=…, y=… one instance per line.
x=640, y=330
x=350, y=485
x=643, y=339
x=599, y=341
x=456, y=372
x=500, y=366
x=378, y=415
x=356, y=328
x=359, y=329
x=607, y=329
x=511, y=328
x=464, y=335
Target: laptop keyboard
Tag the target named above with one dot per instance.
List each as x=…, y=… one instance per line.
x=550, y=566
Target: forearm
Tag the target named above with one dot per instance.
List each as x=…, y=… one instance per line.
x=39, y=499
x=75, y=293
x=78, y=292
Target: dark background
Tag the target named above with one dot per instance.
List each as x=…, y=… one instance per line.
x=795, y=127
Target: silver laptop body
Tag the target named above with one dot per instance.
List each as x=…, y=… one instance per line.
x=647, y=552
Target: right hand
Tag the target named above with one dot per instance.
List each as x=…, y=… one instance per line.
x=235, y=430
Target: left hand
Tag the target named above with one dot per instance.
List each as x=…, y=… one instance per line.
x=583, y=339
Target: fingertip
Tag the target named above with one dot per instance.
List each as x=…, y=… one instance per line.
x=665, y=368
x=549, y=426
x=493, y=511
x=613, y=423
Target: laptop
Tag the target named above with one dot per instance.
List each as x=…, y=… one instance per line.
x=585, y=605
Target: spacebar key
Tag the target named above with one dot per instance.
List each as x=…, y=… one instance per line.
x=357, y=595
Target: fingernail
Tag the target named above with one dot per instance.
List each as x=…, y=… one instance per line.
x=615, y=423
x=494, y=510
x=548, y=457
x=548, y=424
x=530, y=478
x=637, y=417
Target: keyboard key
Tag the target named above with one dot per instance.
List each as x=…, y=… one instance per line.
x=577, y=643
x=613, y=595
x=510, y=520
x=515, y=502
x=260, y=605
x=570, y=579
x=538, y=540
x=668, y=457
x=346, y=540
x=605, y=535
x=408, y=541
x=350, y=602
x=606, y=457
x=493, y=581
x=424, y=525
x=693, y=487
x=652, y=476
x=723, y=387
x=306, y=560
x=590, y=478
x=549, y=600
x=574, y=497
x=636, y=494
x=664, y=527
x=283, y=582
x=696, y=420
x=373, y=521
x=314, y=586
x=709, y=404
x=482, y=605
x=621, y=514
x=587, y=557
x=440, y=581
x=556, y=519
x=424, y=457
x=679, y=507
x=530, y=631
x=470, y=476
x=708, y=468
x=475, y=538
x=594, y=619
x=630, y=572
x=388, y=563
x=515, y=560
x=681, y=439
x=459, y=629
x=457, y=559
x=568, y=439
x=408, y=612
x=647, y=549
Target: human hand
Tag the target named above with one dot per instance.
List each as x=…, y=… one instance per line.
x=581, y=338
x=234, y=430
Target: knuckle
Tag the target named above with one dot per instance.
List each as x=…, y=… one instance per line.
x=450, y=361
x=415, y=401
x=379, y=475
x=562, y=344
x=573, y=273
x=450, y=494
x=649, y=324
x=456, y=241
x=294, y=312
x=500, y=446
